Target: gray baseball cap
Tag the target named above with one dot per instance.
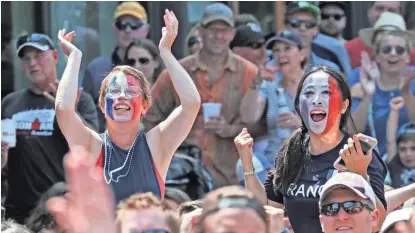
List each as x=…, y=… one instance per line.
x=218, y=12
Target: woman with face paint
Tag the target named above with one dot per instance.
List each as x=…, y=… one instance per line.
x=306, y=159
x=132, y=161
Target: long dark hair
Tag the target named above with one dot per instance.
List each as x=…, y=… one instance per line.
x=293, y=157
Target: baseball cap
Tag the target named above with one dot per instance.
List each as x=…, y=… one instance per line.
x=36, y=40
x=287, y=36
x=294, y=7
x=261, y=165
x=246, y=34
x=408, y=128
x=351, y=181
x=342, y=5
x=218, y=12
x=131, y=8
x=394, y=217
x=231, y=197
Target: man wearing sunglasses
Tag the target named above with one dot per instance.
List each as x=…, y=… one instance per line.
x=304, y=18
x=36, y=161
x=333, y=19
x=130, y=23
x=348, y=203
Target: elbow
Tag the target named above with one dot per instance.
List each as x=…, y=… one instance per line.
x=193, y=103
x=249, y=117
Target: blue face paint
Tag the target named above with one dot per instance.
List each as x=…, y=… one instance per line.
x=108, y=107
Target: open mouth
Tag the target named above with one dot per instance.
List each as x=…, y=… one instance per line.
x=343, y=229
x=122, y=107
x=393, y=62
x=318, y=115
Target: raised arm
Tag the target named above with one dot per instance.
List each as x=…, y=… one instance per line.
x=392, y=126
x=166, y=137
x=71, y=125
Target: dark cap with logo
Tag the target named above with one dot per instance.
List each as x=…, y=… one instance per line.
x=246, y=34
x=218, y=12
x=298, y=6
x=286, y=36
x=36, y=40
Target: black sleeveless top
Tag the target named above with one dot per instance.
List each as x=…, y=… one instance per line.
x=130, y=174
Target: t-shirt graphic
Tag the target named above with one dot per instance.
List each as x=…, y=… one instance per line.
x=37, y=122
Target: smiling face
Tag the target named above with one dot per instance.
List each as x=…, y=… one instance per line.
x=392, y=55
x=320, y=103
x=123, y=100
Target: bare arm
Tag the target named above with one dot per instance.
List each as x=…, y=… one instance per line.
x=392, y=126
x=397, y=197
x=252, y=106
x=361, y=113
x=71, y=125
x=169, y=134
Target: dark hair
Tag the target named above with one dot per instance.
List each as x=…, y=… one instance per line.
x=10, y=226
x=40, y=217
x=189, y=206
x=293, y=154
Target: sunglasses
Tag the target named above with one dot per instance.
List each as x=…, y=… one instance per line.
x=35, y=37
x=141, y=60
x=255, y=45
x=387, y=49
x=296, y=23
x=134, y=25
x=350, y=207
x=335, y=16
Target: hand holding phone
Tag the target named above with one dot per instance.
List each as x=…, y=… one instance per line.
x=354, y=154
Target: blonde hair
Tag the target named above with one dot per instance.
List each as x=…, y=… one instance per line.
x=127, y=70
x=401, y=34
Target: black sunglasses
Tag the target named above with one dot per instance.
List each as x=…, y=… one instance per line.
x=141, y=60
x=254, y=45
x=351, y=207
x=134, y=25
x=35, y=37
x=296, y=23
x=335, y=16
x=387, y=49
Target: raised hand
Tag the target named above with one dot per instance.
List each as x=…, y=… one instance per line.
x=65, y=41
x=407, y=81
x=89, y=207
x=369, y=72
x=244, y=143
x=396, y=103
x=169, y=32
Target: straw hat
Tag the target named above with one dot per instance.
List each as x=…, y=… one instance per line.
x=387, y=21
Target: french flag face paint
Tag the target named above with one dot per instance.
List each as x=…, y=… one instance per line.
x=122, y=99
x=320, y=102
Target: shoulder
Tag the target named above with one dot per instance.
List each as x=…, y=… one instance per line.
x=14, y=96
x=327, y=41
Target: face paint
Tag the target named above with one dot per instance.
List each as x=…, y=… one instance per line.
x=320, y=102
x=122, y=99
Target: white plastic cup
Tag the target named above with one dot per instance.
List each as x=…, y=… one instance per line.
x=211, y=110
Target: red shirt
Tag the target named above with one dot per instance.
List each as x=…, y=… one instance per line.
x=356, y=46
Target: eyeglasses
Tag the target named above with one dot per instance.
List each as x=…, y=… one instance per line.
x=35, y=37
x=296, y=23
x=129, y=92
x=141, y=60
x=351, y=207
x=134, y=25
x=387, y=49
x=254, y=45
x=335, y=16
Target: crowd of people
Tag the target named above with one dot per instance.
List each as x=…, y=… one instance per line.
x=293, y=131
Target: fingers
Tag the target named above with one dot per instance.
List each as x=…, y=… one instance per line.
x=357, y=146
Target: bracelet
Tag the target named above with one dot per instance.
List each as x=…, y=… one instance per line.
x=256, y=84
x=251, y=172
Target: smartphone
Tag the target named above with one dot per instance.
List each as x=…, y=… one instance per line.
x=367, y=143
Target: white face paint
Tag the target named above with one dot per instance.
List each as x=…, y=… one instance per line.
x=121, y=98
x=315, y=102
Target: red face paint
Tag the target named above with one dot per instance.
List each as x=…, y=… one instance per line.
x=335, y=104
x=136, y=102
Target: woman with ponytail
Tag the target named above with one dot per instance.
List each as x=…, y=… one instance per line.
x=306, y=159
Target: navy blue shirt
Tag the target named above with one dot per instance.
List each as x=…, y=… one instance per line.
x=301, y=198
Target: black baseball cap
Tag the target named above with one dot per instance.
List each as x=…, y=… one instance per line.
x=287, y=36
x=298, y=6
x=36, y=40
x=246, y=34
x=342, y=5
